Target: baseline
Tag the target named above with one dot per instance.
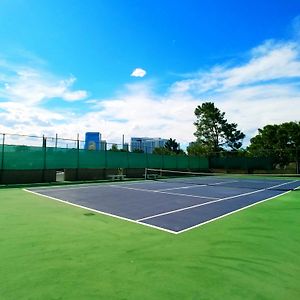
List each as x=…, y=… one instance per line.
x=101, y=212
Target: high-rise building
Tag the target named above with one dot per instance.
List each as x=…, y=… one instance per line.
x=93, y=141
x=146, y=144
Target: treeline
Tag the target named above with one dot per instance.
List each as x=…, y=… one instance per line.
x=216, y=137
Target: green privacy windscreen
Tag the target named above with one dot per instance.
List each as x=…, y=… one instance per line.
x=40, y=158
x=37, y=158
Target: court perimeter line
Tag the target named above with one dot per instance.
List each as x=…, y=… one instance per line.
x=182, y=187
x=162, y=192
x=211, y=202
x=101, y=212
x=221, y=182
x=196, y=185
x=230, y=213
x=160, y=228
x=73, y=186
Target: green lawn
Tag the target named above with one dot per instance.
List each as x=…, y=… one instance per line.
x=49, y=250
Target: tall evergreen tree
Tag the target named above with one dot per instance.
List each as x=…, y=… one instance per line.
x=214, y=133
x=172, y=145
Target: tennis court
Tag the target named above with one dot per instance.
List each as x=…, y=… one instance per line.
x=173, y=204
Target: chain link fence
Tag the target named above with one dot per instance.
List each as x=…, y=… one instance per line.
x=38, y=159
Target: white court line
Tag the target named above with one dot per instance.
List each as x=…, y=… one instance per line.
x=72, y=186
x=101, y=212
x=196, y=185
x=182, y=187
x=211, y=202
x=162, y=192
x=230, y=213
x=157, y=227
x=224, y=182
x=84, y=185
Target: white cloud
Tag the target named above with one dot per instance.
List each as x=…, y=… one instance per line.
x=145, y=113
x=262, y=90
x=32, y=86
x=270, y=61
x=138, y=72
x=26, y=93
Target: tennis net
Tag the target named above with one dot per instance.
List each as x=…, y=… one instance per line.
x=245, y=181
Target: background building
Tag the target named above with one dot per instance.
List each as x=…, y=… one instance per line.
x=93, y=141
x=146, y=144
x=125, y=147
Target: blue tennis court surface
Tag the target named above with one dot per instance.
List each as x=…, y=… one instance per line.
x=173, y=205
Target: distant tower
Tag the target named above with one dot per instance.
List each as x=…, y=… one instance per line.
x=92, y=141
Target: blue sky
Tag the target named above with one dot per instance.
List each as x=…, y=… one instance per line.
x=68, y=67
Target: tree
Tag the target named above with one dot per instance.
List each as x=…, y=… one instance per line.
x=172, y=145
x=213, y=131
x=137, y=151
x=279, y=142
x=114, y=148
x=162, y=151
x=197, y=149
x=171, y=148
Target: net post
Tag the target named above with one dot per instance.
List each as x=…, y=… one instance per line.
x=146, y=173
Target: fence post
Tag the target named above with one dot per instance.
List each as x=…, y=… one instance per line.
x=147, y=160
x=105, y=161
x=56, y=137
x=128, y=160
x=44, y=158
x=2, y=158
x=77, y=162
x=226, y=162
x=209, y=160
x=297, y=161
